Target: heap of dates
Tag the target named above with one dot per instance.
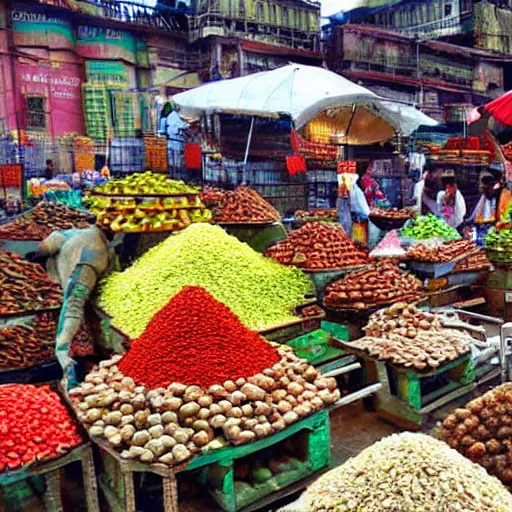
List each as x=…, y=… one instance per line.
x=477, y=261
x=383, y=283
x=43, y=219
x=440, y=252
x=243, y=205
x=392, y=213
x=318, y=246
x=25, y=286
x=24, y=346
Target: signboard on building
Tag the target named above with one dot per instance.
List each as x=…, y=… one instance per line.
x=38, y=29
x=50, y=97
x=105, y=43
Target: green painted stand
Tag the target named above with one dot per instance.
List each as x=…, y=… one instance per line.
x=400, y=400
x=117, y=479
x=320, y=346
x=14, y=488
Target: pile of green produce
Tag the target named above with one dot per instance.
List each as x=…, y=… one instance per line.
x=423, y=227
x=143, y=184
x=498, y=243
x=261, y=292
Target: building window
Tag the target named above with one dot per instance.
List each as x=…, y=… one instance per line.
x=261, y=13
x=448, y=9
x=36, y=112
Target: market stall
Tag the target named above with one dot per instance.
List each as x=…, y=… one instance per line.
x=335, y=113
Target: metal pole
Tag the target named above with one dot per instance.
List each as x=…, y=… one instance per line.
x=249, y=138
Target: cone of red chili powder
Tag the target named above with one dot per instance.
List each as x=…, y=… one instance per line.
x=196, y=340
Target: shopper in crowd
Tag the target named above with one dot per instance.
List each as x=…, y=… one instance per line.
x=494, y=201
x=48, y=172
x=426, y=191
x=450, y=202
x=373, y=193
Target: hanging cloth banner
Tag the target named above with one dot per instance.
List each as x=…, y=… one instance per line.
x=193, y=156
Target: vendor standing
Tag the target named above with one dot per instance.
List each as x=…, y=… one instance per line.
x=354, y=211
x=493, y=203
x=426, y=192
x=450, y=202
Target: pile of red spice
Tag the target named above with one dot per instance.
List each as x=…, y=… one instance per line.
x=34, y=425
x=196, y=340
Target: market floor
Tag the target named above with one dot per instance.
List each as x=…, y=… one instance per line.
x=352, y=430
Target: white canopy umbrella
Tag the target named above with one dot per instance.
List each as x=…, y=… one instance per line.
x=303, y=92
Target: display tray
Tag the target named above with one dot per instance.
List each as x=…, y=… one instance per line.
x=6, y=316
x=131, y=196
x=437, y=269
x=21, y=247
x=385, y=224
x=353, y=268
x=296, y=327
x=372, y=308
x=245, y=224
x=33, y=375
x=427, y=372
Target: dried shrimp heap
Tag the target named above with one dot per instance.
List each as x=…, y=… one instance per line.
x=407, y=473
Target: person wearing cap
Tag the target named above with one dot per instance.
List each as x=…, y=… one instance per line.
x=450, y=202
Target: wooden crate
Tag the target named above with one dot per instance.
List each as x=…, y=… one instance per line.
x=117, y=477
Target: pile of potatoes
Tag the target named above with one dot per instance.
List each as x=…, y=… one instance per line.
x=170, y=425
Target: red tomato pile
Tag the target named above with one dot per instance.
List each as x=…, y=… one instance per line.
x=196, y=340
x=34, y=425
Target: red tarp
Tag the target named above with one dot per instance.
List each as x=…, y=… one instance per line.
x=501, y=109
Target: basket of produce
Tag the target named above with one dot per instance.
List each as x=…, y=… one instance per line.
x=147, y=203
x=257, y=289
x=498, y=244
x=39, y=222
x=379, y=285
x=25, y=287
x=390, y=218
x=423, y=227
x=377, y=478
x=318, y=247
x=196, y=378
x=436, y=258
x=242, y=207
